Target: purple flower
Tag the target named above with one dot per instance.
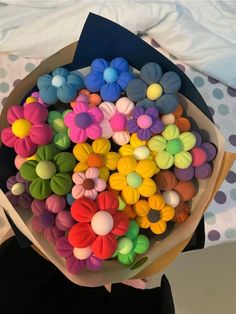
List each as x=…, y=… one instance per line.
x=18, y=193
x=145, y=122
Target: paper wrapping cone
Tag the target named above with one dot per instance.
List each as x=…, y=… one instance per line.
x=77, y=56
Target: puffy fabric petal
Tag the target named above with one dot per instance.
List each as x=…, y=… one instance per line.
x=78, y=191
x=25, y=200
x=53, y=234
x=135, y=141
x=164, y=160
x=13, y=199
x=81, y=235
x=75, y=80
x=126, y=150
x=132, y=126
x=167, y=213
x=41, y=134
x=81, y=166
x=124, y=105
x=92, y=194
x=94, y=131
x=104, y=246
x=46, y=152
x=117, y=181
x=145, y=103
x=183, y=160
x=78, y=135
x=101, y=146
x=137, y=112
x=36, y=224
x=61, y=71
x=94, y=81
x=124, y=79
x=83, y=209
x=107, y=131
x=80, y=107
x=48, y=94
x=44, y=80
x=120, y=64
x=157, y=143
x=108, y=109
x=151, y=73
x=126, y=165
x=142, y=208
x=63, y=247
x=65, y=162
x=99, y=65
x=156, y=202
x=141, y=244
x=28, y=171
x=136, y=90
x=100, y=185
x=203, y=172
x=38, y=207
x=130, y=195
x=158, y=227
x=171, y=82
x=144, y=134
x=93, y=263
x=104, y=173
x=126, y=259
x=25, y=147
x=152, y=111
x=40, y=189
x=146, y=168
x=35, y=113
x=82, y=151
x=69, y=120
x=66, y=93
x=148, y=188
x=11, y=181
x=121, y=224
x=167, y=103
x=112, y=159
x=78, y=177
x=110, y=91
x=188, y=139
x=121, y=138
x=74, y=265
x=143, y=222
x=157, y=127
x=97, y=114
x=92, y=173
x=14, y=113
x=107, y=201
x=171, y=132
x=61, y=183
x=8, y=138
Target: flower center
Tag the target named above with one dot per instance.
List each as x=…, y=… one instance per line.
x=144, y=121
x=83, y=120
x=21, y=128
x=95, y=160
x=58, y=80
x=154, y=91
x=110, y=75
x=154, y=215
x=18, y=189
x=141, y=152
x=134, y=180
x=82, y=253
x=47, y=219
x=88, y=184
x=125, y=245
x=45, y=169
x=174, y=146
x=102, y=223
x=118, y=122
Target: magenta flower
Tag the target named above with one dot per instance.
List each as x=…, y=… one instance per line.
x=28, y=129
x=83, y=122
x=77, y=258
x=34, y=98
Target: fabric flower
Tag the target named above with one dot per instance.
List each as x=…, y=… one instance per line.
x=77, y=258
x=34, y=98
x=98, y=224
x=115, y=119
x=153, y=214
x=92, y=99
x=172, y=147
x=154, y=88
x=87, y=184
x=131, y=244
x=108, y=78
x=145, y=122
x=49, y=173
x=20, y=160
x=18, y=193
x=28, y=129
x=61, y=85
x=97, y=155
x=177, y=118
x=60, y=138
x=133, y=178
x=50, y=217
x=84, y=122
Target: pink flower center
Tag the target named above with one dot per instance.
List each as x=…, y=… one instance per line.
x=144, y=121
x=83, y=120
x=118, y=122
x=88, y=184
x=102, y=223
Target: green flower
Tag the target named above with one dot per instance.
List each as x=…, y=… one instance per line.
x=130, y=244
x=60, y=139
x=49, y=173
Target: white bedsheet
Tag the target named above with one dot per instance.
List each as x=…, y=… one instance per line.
x=200, y=33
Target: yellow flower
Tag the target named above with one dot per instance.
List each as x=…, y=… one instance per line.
x=153, y=213
x=97, y=155
x=133, y=178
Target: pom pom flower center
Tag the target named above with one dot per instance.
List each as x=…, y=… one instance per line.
x=141, y=152
x=144, y=121
x=88, y=184
x=18, y=189
x=102, y=223
x=83, y=120
x=21, y=128
x=118, y=122
x=82, y=253
x=95, y=160
x=45, y=169
x=154, y=91
x=110, y=75
x=154, y=215
x=58, y=80
x=134, y=180
x=174, y=146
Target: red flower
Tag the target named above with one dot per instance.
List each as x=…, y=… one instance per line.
x=99, y=222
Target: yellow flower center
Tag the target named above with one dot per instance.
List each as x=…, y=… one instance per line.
x=21, y=128
x=154, y=91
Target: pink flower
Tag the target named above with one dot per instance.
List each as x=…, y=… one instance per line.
x=83, y=122
x=115, y=119
x=87, y=184
x=28, y=129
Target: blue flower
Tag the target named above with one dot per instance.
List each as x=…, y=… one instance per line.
x=108, y=78
x=154, y=88
x=61, y=85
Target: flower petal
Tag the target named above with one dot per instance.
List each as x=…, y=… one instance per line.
x=66, y=93
x=53, y=234
x=8, y=138
x=13, y=199
x=125, y=105
x=124, y=79
x=171, y=132
x=44, y=80
x=14, y=113
x=104, y=173
x=152, y=111
x=38, y=207
x=78, y=191
x=146, y=168
x=41, y=133
x=142, y=208
x=126, y=150
x=81, y=166
x=107, y=131
x=63, y=247
x=92, y=173
x=28, y=171
x=143, y=222
x=108, y=109
x=135, y=141
x=157, y=126
x=94, y=131
x=100, y=185
x=94, y=81
x=117, y=181
x=136, y=90
x=36, y=224
x=11, y=181
x=35, y=113
x=158, y=227
x=132, y=126
x=183, y=160
x=46, y=152
x=146, y=103
x=104, y=246
x=61, y=183
x=126, y=165
x=167, y=103
x=78, y=135
x=48, y=94
x=157, y=143
x=107, y=201
x=69, y=119
x=78, y=177
x=121, y=138
x=120, y=64
x=101, y=146
x=92, y=194
x=110, y=91
x=76, y=80
x=40, y=189
x=93, y=263
x=171, y=82
x=82, y=151
x=188, y=139
x=144, y=134
x=83, y=209
x=97, y=114
x=141, y=244
x=148, y=188
x=99, y=65
x=80, y=107
x=81, y=235
x=164, y=160
x=64, y=162
x=167, y=213
x=74, y=265
x=121, y=224
x=151, y=73
x=112, y=159
x=130, y=195
x=156, y=202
